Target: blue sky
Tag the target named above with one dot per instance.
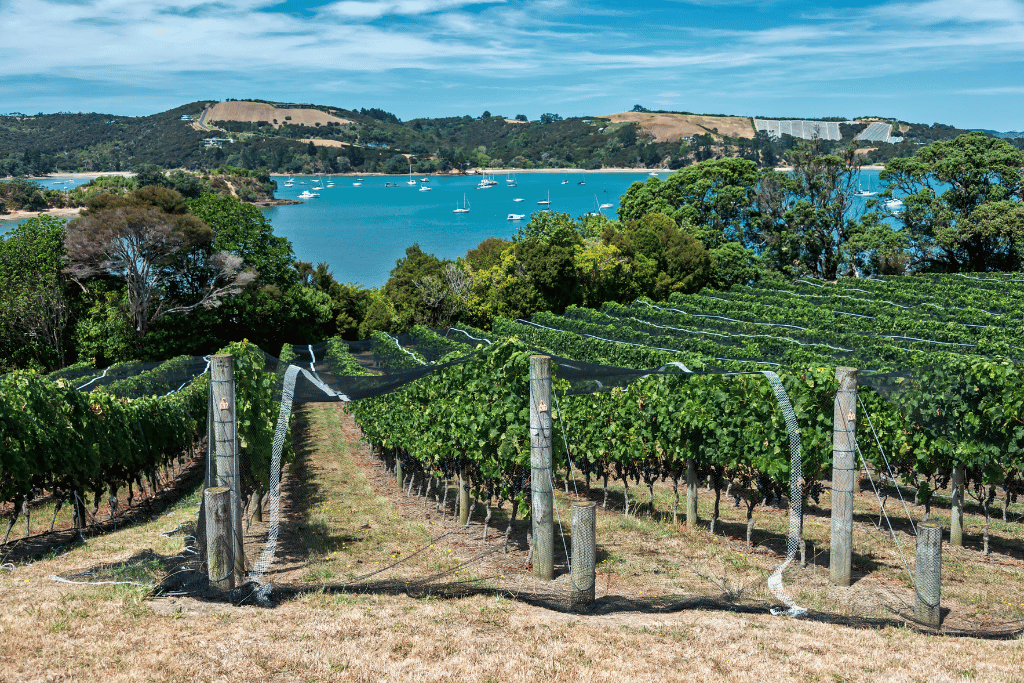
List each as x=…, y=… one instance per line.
x=959, y=62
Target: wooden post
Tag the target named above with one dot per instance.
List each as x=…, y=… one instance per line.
x=222, y=383
x=928, y=575
x=584, y=554
x=220, y=559
x=956, y=509
x=691, y=493
x=463, y=498
x=844, y=465
x=542, y=499
x=398, y=470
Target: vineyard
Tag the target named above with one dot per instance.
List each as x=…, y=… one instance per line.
x=649, y=399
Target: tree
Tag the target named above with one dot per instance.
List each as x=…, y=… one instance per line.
x=34, y=312
x=960, y=203
x=403, y=290
x=714, y=199
x=521, y=117
x=807, y=218
x=138, y=245
x=150, y=174
x=243, y=230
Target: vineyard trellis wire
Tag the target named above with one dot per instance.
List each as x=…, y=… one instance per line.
x=958, y=410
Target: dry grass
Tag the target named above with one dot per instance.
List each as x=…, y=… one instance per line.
x=672, y=127
x=258, y=111
x=61, y=632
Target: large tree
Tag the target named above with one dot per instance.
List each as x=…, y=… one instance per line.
x=807, y=218
x=139, y=241
x=33, y=309
x=961, y=203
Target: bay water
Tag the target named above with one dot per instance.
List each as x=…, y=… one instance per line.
x=362, y=229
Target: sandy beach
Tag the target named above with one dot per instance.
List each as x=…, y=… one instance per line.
x=22, y=215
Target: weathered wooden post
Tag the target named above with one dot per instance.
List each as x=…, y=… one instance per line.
x=582, y=573
x=956, y=509
x=844, y=464
x=928, y=575
x=542, y=498
x=463, y=497
x=398, y=470
x=222, y=383
x=691, y=493
x=220, y=551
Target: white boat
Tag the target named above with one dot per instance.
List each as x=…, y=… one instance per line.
x=606, y=206
x=546, y=202
x=306, y=194
x=465, y=206
x=357, y=184
x=518, y=199
x=424, y=188
x=289, y=182
x=565, y=182
x=894, y=205
x=599, y=207
x=424, y=180
x=516, y=216
x=410, y=181
x=863, y=192
x=653, y=173
x=330, y=182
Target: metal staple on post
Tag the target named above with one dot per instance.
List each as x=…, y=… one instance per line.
x=584, y=554
x=928, y=575
x=542, y=495
x=844, y=464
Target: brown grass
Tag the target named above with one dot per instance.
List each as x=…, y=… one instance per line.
x=672, y=127
x=258, y=111
x=344, y=510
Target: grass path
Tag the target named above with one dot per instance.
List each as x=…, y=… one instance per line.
x=60, y=632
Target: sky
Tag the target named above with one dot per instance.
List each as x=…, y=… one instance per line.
x=958, y=62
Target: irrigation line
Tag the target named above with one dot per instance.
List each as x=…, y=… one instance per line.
x=885, y=514
x=888, y=467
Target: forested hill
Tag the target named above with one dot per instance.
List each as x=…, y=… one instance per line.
x=303, y=138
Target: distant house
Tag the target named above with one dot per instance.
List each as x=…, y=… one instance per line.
x=185, y=117
x=216, y=142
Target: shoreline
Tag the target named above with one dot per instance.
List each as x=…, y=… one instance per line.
x=23, y=215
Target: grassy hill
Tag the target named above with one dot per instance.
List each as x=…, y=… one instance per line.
x=307, y=138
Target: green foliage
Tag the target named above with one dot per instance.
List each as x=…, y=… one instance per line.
x=34, y=312
x=961, y=203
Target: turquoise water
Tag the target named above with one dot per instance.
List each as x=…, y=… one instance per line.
x=362, y=231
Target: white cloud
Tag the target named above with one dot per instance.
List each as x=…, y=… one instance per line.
x=569, y=50
x=373, y=9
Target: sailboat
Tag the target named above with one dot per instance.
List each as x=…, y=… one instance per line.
x=546, y=202
x=865, y=193
x=582, y=181
x=290, y=182
x=410, y=181
x=330, y=181
x=465, y=206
